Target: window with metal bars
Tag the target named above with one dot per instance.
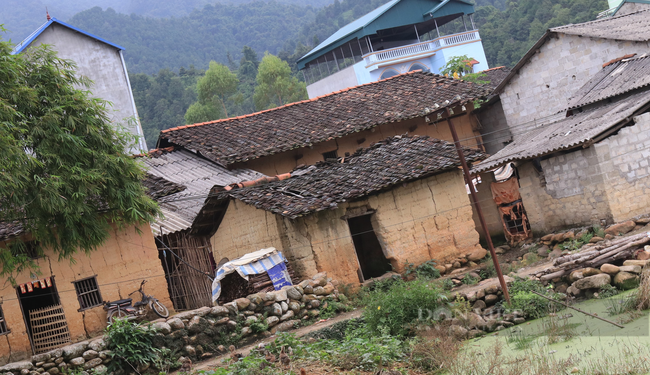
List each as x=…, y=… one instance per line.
x=88, y=293
x=330, y=155
x=3, y=324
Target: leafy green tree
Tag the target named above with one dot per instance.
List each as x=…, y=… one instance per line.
x=457, y=65
x=275, y=85
x=198, y=112
x=64, y=175
x=218, y=84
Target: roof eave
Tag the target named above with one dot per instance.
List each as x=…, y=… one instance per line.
x=20, y=47
x=523, y=60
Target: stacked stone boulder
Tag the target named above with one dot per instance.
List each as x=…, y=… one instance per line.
x=200, y=333
x=460, y=264
x=588, y=280
x=91, y=357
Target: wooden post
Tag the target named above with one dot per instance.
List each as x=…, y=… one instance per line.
x=468, y=178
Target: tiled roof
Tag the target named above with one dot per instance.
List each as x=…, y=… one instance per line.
x=614, y=79
x=158, y=187
x=9, y=230
x=324, y=118
x=198, y=175
x=495, y=75
x=633, y=27
x=326, y=184
x=569, y=132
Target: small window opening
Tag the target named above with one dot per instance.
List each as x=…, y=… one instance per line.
x=88, y=293
x=330, y=155
x=516, y=222
x=3, y=324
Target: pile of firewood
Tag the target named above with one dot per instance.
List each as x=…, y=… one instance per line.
x=595, y=256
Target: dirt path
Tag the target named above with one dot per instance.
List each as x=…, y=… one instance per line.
x=302, y=331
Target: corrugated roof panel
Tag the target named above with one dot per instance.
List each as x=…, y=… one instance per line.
x=614, y=79
x=568, y=133
x=633, y=26
x=199, y=176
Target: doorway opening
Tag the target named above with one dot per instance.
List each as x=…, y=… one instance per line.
x=187, y=262
x=371, y=257
x=43, y=314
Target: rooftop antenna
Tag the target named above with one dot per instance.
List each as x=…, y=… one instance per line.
x=47, y=14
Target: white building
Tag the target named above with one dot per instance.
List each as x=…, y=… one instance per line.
x=99, y=60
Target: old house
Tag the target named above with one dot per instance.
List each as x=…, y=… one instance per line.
x=538, y=88
x=187, y=260
x=400, y=200
x=64, y=303
x=99, y=60
x=592, y=164
x=278, y=140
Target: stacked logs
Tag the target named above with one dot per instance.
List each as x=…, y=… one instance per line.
x=596, y=256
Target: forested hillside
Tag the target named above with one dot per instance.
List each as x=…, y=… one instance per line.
x=207, y=34
x=508, y=34
x=21, y=17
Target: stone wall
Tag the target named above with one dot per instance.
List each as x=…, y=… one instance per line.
x=608, y=181
x=120, y=264
x=559, y=68
x=625, y=157
x=415, y=222
x=202, y=333
x=494, y=127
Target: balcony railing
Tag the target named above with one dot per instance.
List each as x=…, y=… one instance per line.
x=430, y=46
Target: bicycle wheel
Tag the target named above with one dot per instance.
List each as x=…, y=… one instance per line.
x=159, y=309
x=116, y=314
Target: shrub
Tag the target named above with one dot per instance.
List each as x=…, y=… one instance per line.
x=131, y=345
x=530, y=304
x=470, y=280
x=259, y=326
x=434, y=349
x=401, y=305
x=607, y=290
x=447, y=284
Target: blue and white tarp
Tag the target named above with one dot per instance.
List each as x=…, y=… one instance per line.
x=266, y=260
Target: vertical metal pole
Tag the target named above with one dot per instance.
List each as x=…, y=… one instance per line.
x=360, y=49
x=304, y=76
x=437, y=30
x=336, y=61
x=471, y=18
x=320, y=72
x=464, y=23
x=416, y=33
x=327, y=65
x=369, y=43
x=343, y=54
x=468, y=178
x=352, y=52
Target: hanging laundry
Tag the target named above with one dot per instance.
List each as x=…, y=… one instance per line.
x=23, y=290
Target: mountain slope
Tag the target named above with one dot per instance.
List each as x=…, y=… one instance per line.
x=207, y=34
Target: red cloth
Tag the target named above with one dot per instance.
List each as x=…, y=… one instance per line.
x=505, y=192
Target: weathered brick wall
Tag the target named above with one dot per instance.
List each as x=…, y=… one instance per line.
x=626, y=158
x=570, y=193
x=610, y=181
x=560, y=67
x=244, y=229
x=422, y=220
x=494, y=127
x=488, y=207
x=120, y=265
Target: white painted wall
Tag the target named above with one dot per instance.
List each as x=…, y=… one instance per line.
x=103, y=64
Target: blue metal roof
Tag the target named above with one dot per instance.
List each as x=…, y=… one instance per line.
x=387, y=16
x=25, y=43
